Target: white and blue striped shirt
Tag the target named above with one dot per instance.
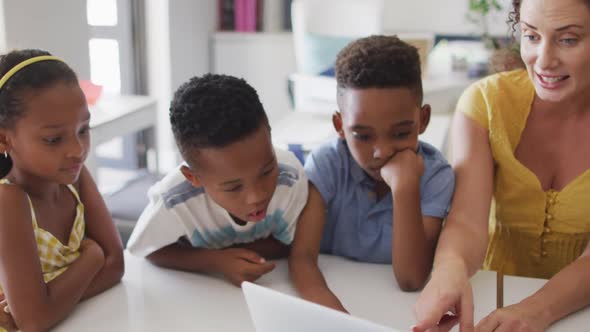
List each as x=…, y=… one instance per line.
x=178, y=209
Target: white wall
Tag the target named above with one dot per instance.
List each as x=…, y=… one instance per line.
x=191, y=24
x=177, y=43
x=2, y=29
x=58, y=26
x=158, y=66
x=438, y=16
x=265, y=61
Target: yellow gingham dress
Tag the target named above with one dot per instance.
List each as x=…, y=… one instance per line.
x=54, y=255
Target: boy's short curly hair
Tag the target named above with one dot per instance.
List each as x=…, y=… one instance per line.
x=214, y=111
x=379, y=62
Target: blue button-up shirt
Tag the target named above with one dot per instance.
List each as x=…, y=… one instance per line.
x=359, y=226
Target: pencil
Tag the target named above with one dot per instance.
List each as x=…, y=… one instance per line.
x=499, y=290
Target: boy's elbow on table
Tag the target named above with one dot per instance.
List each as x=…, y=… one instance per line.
x=410, y=286
x=411, y=283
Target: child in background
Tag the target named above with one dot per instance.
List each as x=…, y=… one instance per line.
x=234, y=203
x=377, y=194
x=58, y=244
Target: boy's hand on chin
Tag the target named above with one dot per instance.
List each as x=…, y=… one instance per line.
x=403, y=169
x=238, y=265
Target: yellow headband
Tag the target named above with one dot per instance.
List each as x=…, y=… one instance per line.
x=25, y=63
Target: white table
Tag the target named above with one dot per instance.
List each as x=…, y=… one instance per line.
x=115, y=116
x=157, y=299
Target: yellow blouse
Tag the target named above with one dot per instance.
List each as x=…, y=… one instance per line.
x=534, y=233
x=54, y=255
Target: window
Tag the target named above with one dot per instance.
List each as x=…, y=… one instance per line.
x=110, y=45
x=105, y=64
x=101, y=12
x=111, y=66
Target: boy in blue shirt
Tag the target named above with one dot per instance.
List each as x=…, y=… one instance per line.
x=377, y=194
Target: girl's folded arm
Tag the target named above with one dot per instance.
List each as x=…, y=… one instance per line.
x=33, y=304
x=100, y=228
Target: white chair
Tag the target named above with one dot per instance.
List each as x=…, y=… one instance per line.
x=127, y=203
x=322, y=27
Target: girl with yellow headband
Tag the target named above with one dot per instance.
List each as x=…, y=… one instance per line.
x=58, y=244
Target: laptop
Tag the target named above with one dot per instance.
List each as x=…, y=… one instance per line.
x=273, y=311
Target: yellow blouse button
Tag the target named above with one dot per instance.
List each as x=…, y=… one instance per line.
x=549, y=217
x=547, y=230
x=544, y=253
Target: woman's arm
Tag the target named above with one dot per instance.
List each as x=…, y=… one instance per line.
x=305, y=249
x=470, y=209
x=463, y=241
x=566, y=292
x=101, y=229
x=34, y=305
